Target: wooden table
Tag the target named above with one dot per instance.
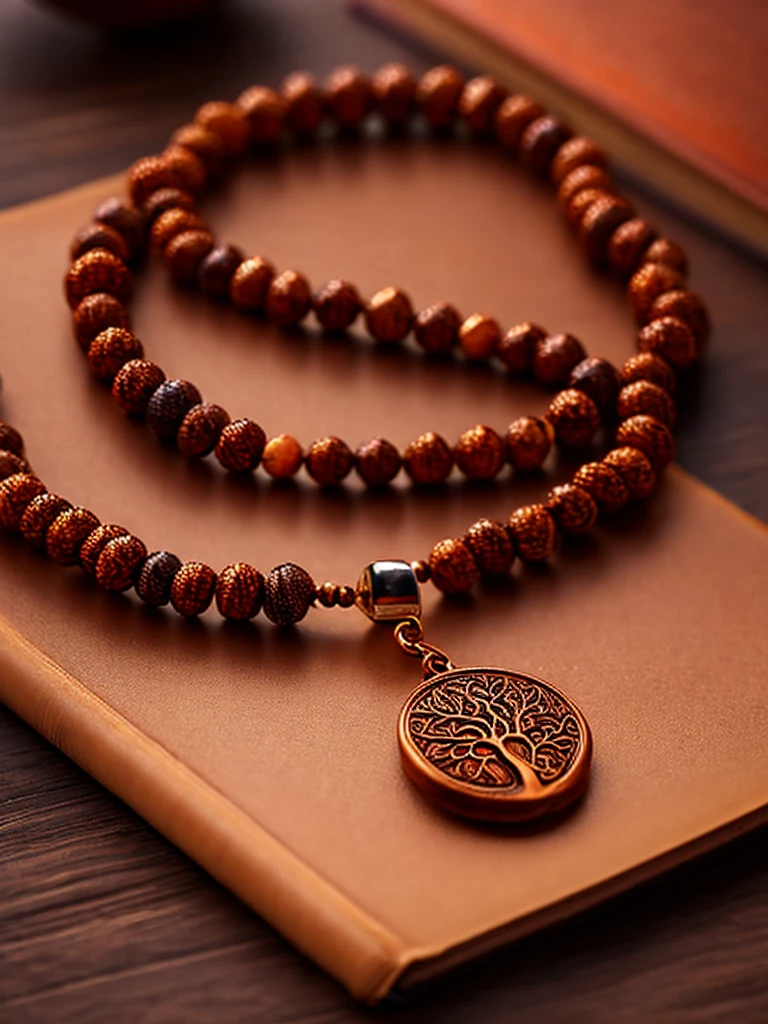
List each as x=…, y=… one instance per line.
x=100, y=918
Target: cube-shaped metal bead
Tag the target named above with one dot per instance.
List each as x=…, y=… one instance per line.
x=388, y=590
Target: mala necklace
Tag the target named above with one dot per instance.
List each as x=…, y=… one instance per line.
x=483, y=743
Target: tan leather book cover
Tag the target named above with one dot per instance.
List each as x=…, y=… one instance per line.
x=271, y=757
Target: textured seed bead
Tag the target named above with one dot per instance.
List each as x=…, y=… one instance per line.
x=490, y=546
x=217, y=269
x=303, y=103
x=480, y=453
x=648, y=366
x=576, y=152
x=283, y=457
x=348, y=96
x=134, y=385
x=686, y=306
x=529, y=440
x=11, y=440
x=650, y=436
x=265, y=111
x=634, y=469
x=629, y=244
x=16, y=492
x=185, y=252
x=250, y=282
x=670, y=338
x=573, y=509
x=436, y=328
x=147, y=175
x=111, y=350
x=11, y=464
x=598, y=224
x=192, y=589
x=98, y=270
x=453, y=567
x=240, y=446
x=479, y=336
x=428, y=459
x=540, y=142
x=126, y=219
x=67, y=533
x=336, y=305
x=646, y=284
x=438, y=94
x=119, y=562
x=201, y=429
x=665, y=251
x=288, y=298
x=512, y=117
x=575, y=418
x=289, y=593
x=205, y=144
x=94, y=314
x=642, y=397
x=555, y=358
x=38, y=516
x=533, y=533
x=581, y=202
x=389, y=315
x=479, y=100
x=226, y=121
x=99, y=236
x=600, y=380
x=165, y=199
x=187, y=169
x=239, y=592
x=517, y=348
x=328, y=461
x=95, y=542
x=604, y=483
x=580, y=178
x=394, y=90
x=378, y=462
x=153, y=584
x=169, y=405
x=172, y=223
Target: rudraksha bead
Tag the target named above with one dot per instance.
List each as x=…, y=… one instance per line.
x=119, y=562
x=328, y=461
x=599, y=379
x=185, y=252
x=512, y=117
x=378, y=462
x=265, y=111
x=10, y=464
x=111, y=350
x=283, y=457
x=453, y=567
x=201, y=429
x=99, y=236
x=646, y=284
x=188, y=170
x=436, y=328
x=239, y=591
x=518, y=347
x=634, y=469
x=95, y=542
x=336, y=305
x=685, y=306
x=665, y=251
x=172, y=223
x=98, y=270
x=165, y=199
x=67, y=533
x=642, y=397
x=389, y=315
x=479, y=100
x=629, y=244
x=192, y=589
x=241, y=446
x=38, y=516
x=581, y=202
x=289, y=593
x=555, y=357
x=126, y=219
x=650, y=436
x=438, y=94
x=533, y=532
x=348, y=96
x=134, y=385
x=540, y=142
x=573, y=509
x=479, y=336
x=576, y=152
x=217, y=269
x=580, y=178
x=94, y=314
x=604, y=483
x=575, y=418
x=303, y=103
x=671, y=338
x=208, y=145
x=226, y=121
x=480, y=453
x=428, y=459
x=153, y=583
x=394, y=89
x=490, y=546
x=649, y=366
x=529, y=440
x=249, y=283
x=149, y=174
x=288, y=298
x=16, y=492
x=11, y=440
x=599, y=222
x=169, y=405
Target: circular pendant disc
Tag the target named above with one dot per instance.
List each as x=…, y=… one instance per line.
x=494, y=745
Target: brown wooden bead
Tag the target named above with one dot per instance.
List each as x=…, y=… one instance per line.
x=171, y=223
x=10, y=464
x=185, y=252
x=665, y=251
x=328, y=461
x=389, y=315
x=529, y=440
x=67, y=533
x=99, y=236
x=649, y=366
x=452, y=566
x=189, y=171
x=149, y=174
x=265, y=111
x=240, y=446
x=573, y=509
x=226, y=121
x=134, y=385
x=438, y=94
x=98, y=270
x=555, y=358
x=378, y=462
x=512, y=117
x=289, y=593
x=479, y=337
x=575, y=418
x=518, y=347
x=428, y=459
x=670, y=338
x=646, y=284
x=11, y=440
x=154, y=580
x=288, y=298
x=217, y=269
x=629, y=244
x=249, y=284
x=649, y=399
x=686, y=306
x=95, y=542
x=533, y=532
x=126, y=219
x=94, y=314
x=650, y=436
x=394, y=91
x=634, y=469
x=303, y=103
x=201, y=429
x=38, y=516
x=599, y=379
x=480, y=453
x=168, y=406
x=119, y=562
x=169, y=198
x=576, y=152
x=540, y=141
x=193, y=588
x=348, y=96
x=605, y=484
x=581, y=202
x=336, y=305
x=580, y=178
x=239, y=591
x=207, y=145
x=283, y=457
x=16, y=492
x=436, y=328
x=599, y=222
x=490, y=546
x=111, y=350
x=479, y=100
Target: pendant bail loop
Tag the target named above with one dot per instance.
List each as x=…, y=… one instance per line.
x=410, y=636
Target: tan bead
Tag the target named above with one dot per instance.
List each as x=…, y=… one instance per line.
x=575, y=418
x=436, y=328
x=119, y=562
x=555, y=358
x=95, y=542
x=240, y=446
x=217, y=270
x=438, y=94
x=185, y=252
x=126, y=219
x=99, y=236
x=187, y=169
x=576, y=152
x=428, y=459
x=226, y=121
x=98, y=270
x=207, y=145
x=378, y=462
x=16, y=492
x=670, y=338
x=288, y=298
x=394, y=90
x=650, y=436
x=580, y=178
x=646, y=284
x=289, y=593
x=201, y=429
x=134, y=385
x=452, y=566
x=389, y=315
x=328, y=461
x=649, y=366
x=283, y=457
x=600, y=380
x=480, y=453
x=193, y=588
x=573, y=509
x=479, y=336
x=336, y=305
x=265, y=111
x=11, y=464
x=239, y=592
x=533, y=533
x=38, y=516
x=348, y=96
x=303, y=103
x=67, y=533
x=599, y=222
x=648, y=399
x=490, y=546
x=529, y=440
x=479, y=100
x=518, y=347
x=665, y=251
x=249, y=284
x=686, y=306
x=634, y=469
x=111, y=350
x=512, y=117
x=581, y=202
x=629, y=244
x=605, y=484
x=540, y=142
x=172, y=223
x=94, y=314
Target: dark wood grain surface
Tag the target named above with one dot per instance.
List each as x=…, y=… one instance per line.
x=100, y=918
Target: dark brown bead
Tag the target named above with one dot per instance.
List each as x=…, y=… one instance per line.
x=241, y=446
x=239, y=592
x=188, y=170
x=599, y=222
x=134, y=385
x=10, y=464
x=518, y=347
x=649, y=366
x=452, y=566
x=303, y=103
x=185, y=252
x=634, y=469
x=529, y=440
x=599, y=379
x=328, y=594
x=438, y=94
x=555, y=358
x=533, y=533
x=192, y=589
x=605, y=484
x=479, y=337
x=347, y=596
x=328, y=461
x=98, y=270
x=389, y=315
x=428, y=459
x=126, y=219
x=646, y=284
x=249, y=283
x=201, y=429
x=165, y=199
x=436, y=328
x=480, y=453
x=11, y=440
x=265, y=111
x=575, y=418
x=650, y=436
x=642, y=397
x=580, y=178
x=16, y=492
x=628, y=245
x=95, y=542
x=99, y=236
x=479, y=100
x=217, y=269
x=686, y=306
x=119, y=562
x=490, y=546
x=670, y=338
x=394, y=90
x=581, y=202
x=289, y=593
x=169, y=405
x=38, y=516
x=153, y=583
x=421, y=570
x=540, y=142
x=283, y=457
x=336, y=305
x=665, y=251
x=94, y=314
x=288, y=298
x=67, y=533
x=172, y=223
x=378, y=462
x=348, y=96
x=227, y=122
x=573, y=509
x=512, y=117
x=576, y=152
x=111, y=350
x=147, y=175
x=205, y=144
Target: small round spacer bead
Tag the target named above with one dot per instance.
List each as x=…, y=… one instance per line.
x=288, y=298
x=171, y=223
x=97, y=270
x=665, y=251
x=283, y=457
x=327, y=594
x=394, y=91
x=438, y=94
x=153, y=583
x=328, y=461
x=686, y=306
x=573, y=508
x=646, y=284
x=582, y=201
x=289, y=593
x=490, y=546
x=38, y=516
x=576, y=152
x=11, y=440
x=479, y=337
x=348, y=96
x=670, y=338
x=428, y=459
x=165, y=199
x=453, y=567
x=512, y=117
x=517, y=348
x=634, y=469
x=628, y=245
x=226, y=121
x=598, y=224
x=303, y=103
x=347, y=596
x=119, y=562
x=529, y=440
x=240, y=446
x=540, y=142
x=94, y=314
x=389, y=315
x=187, y=168
x=649, y=366
x=336, y=305
x=10, y=464
x=134, y=385
x=378, y=462
x=480, y=453
x=648, y=399
x=217, y=269
x=575, y=418
x=479, y=100
x=579, y=179
x=111, y=350
x=604, y=483
x=205, y=144
x=201, y=429
x=94, y=544
x=67, y=533
x=16, y=493
x=650, y=436
x=192, y=589
x=533, y=532
x=239, y=592
x=436, y=328
x=249, y=284
x=599, y=379
x=99, y=236
x=168, y=406
x=555, y=358
x=265, y=111
x=185, y=252
x=421, y=570
x=126, y=219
